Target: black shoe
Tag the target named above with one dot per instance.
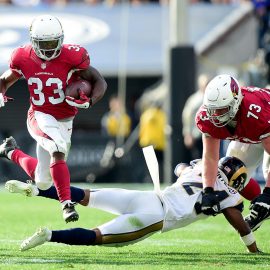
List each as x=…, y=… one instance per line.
x=255, y=221
x=7, y=145
x=69, y=212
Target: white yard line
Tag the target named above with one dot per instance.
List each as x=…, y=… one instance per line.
x=28, y=260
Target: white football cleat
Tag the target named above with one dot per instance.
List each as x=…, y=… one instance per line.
x=41, y=236
x=27, y=189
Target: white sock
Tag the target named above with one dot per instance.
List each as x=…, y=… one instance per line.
x=9, y=154
x=49, y=236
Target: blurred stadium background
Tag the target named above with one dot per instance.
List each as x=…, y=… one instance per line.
x=149, y=52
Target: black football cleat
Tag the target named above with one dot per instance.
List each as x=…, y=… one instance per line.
x=7, y=145
x=69, y=212
x=259, y=210
x=255, y=222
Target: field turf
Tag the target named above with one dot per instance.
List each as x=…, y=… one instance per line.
x=207, y=244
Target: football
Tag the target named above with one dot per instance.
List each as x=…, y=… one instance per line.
x=72, y=89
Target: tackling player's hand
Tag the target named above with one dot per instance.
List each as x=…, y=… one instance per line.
x=4, y=99
x=83, y=103
x=210, y=202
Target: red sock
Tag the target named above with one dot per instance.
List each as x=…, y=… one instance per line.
x=61, y=178
x=27, y=163
x=251, y=190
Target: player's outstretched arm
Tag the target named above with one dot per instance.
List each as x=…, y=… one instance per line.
x=235, y=218
x=97, y=81
x=210, y=160
x=7, y=79
x=209, y=172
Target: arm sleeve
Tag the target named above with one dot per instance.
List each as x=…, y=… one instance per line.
x=83, y=59
x=14, y=62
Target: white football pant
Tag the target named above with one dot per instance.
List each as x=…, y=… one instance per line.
x=251, y=154
x=140, y=214
x=51, y=136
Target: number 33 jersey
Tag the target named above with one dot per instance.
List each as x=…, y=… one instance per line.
x=47, y=80
x=181, y=201
x=253, y=118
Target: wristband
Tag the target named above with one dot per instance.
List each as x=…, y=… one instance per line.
x=266, y=190
x=248, y=239
x=208, y=190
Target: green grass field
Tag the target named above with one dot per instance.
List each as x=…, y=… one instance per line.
x=207, y=244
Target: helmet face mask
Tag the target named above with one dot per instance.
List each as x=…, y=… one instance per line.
x=219, y=116
x=46, y=35
x=233, y=171
x=222, y=99
x=238, y=183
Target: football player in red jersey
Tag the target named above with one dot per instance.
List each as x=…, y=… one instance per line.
x=48, y=66
x=242, y=115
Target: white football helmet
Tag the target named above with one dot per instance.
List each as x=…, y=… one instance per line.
x=46, y=35
x=222, y=99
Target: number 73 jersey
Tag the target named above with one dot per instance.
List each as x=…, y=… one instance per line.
x=181, y=201
x=47, y=80
x=253, y=118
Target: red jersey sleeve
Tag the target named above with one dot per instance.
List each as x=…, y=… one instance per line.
x=15, y=61
x=202, y=121
x=76, y=56
x=83, y=59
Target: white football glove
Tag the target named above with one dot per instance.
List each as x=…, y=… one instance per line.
x=4, y=99
x=179, y=168
x=83, y=103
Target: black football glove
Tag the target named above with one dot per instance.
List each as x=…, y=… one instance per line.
x=210, y=202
